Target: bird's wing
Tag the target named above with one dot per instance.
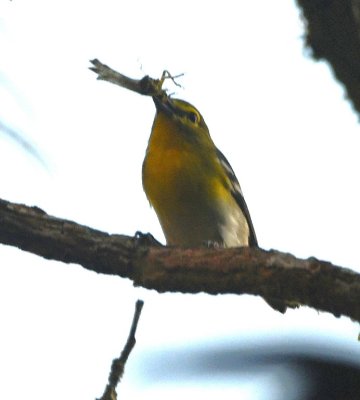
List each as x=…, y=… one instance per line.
x=238, y=196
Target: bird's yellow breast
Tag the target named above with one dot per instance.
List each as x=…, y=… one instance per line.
x=172, y=170
x=177, y=183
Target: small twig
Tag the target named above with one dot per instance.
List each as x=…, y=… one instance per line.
x=166, y=75
x=118, y=364
x=146, y=86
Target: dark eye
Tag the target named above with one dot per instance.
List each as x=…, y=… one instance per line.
x=193, y=117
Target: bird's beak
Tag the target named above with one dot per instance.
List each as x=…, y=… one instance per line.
x=164, y=104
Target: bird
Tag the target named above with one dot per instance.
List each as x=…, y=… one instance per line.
x=189, y=182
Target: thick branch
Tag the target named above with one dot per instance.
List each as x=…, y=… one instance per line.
x=270, y=274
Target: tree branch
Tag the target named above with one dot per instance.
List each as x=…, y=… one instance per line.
x=118, y=364
x=270, y=274
x=146, y=86
x=333, y=34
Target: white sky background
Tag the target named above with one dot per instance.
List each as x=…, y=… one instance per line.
x=280, y=119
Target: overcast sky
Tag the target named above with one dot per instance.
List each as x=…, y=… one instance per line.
x=280, y=119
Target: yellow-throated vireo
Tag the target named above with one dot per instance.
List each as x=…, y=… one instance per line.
x=190, y=183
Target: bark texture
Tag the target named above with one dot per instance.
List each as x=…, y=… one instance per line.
x=270, y=274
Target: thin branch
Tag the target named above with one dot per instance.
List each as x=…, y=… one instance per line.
x=118, y=364
x=270, y=274
x=146, y=86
